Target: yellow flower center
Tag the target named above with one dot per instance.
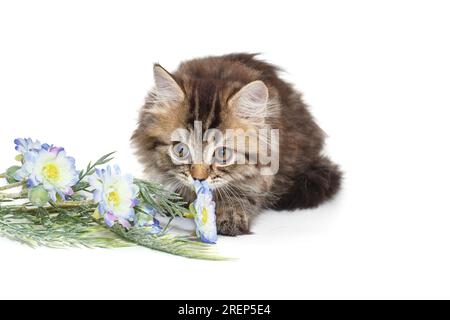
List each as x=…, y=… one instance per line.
x=50, y=171
x=113, y=197
x=204, y=215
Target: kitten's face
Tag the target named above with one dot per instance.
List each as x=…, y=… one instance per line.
x=184, y=131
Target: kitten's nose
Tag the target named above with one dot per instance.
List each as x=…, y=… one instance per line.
x=199, y=171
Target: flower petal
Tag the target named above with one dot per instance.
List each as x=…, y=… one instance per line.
x=110, y=219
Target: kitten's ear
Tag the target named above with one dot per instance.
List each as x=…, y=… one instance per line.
x=167, y=89
x=251, y=101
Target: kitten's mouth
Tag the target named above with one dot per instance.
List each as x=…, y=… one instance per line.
x=188, y=182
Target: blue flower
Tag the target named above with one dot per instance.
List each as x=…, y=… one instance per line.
x=27, y=145
x=116, y=195
x=204, y=213
x=46, y=166
x=146, y=219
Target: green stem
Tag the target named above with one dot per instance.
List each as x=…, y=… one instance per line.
x=167, y=225
x=71, y=204
x=3, y=175
x=11, y=185
x=4, y=196
x=23, y=208
x=68, y=204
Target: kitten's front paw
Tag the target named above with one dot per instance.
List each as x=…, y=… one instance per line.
x=232, y=226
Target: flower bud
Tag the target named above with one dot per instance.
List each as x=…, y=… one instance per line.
x=10, y=174
x=19, y=158
x=38, y=196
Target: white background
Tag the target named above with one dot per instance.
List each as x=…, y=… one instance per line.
x=377, y=76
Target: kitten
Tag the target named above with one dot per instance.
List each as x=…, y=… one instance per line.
x=235, y=91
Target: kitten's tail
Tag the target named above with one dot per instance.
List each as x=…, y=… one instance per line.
x=318, y=183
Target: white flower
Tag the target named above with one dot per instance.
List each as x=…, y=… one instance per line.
x=116, y=195
x=51, y=168
x=204, y=210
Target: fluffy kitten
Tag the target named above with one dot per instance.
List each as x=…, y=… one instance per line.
x=235, y=91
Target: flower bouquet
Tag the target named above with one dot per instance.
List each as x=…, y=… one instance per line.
x=46, y=201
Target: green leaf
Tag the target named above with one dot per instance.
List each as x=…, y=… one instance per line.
x=90, y=169
x=56, y=228
x=10, y=174
x=192, y=212
x=177, y=245
x=164, y=201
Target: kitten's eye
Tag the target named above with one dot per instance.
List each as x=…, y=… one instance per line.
x=223, y=156
x=181, y=151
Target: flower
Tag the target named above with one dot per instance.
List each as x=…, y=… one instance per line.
x=48, y=166
x=203, y=209
x=27, y=145
x=146, y=219
x=115, y=194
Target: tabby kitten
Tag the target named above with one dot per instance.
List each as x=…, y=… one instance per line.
x=235, y=91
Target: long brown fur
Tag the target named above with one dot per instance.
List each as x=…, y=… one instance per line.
x=306, y=177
